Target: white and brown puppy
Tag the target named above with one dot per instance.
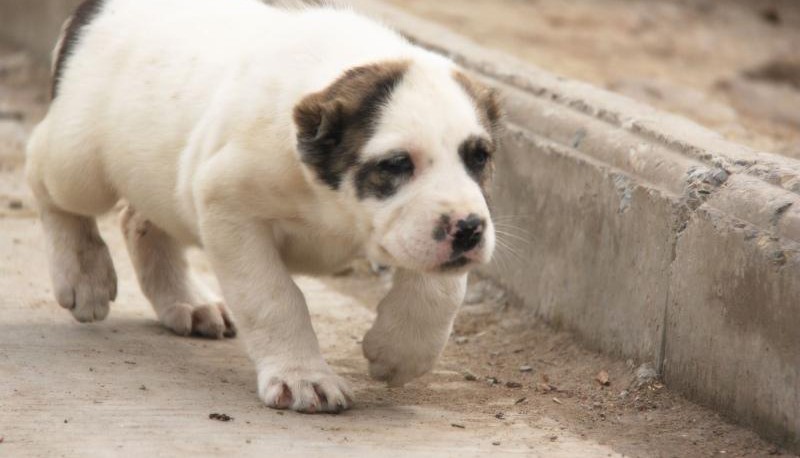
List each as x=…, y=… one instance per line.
x=281, y=141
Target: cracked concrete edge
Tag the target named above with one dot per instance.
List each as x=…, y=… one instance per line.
x=639, y=231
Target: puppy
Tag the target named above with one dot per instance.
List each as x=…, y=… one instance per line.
x=280, y=141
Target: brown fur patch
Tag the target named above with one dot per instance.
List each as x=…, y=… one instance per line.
x=335, y=123
x=481, y=173
x=83, y=15
x=488, y=107
x=486, y=101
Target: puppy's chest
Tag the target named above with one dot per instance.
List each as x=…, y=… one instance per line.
x=313, y=250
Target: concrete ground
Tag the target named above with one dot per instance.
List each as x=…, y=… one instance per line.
x=126, y=387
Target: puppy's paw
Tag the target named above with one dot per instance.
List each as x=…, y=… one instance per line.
x=397, y=359
x=305, y=390
x=85, y=284
x=212, y=321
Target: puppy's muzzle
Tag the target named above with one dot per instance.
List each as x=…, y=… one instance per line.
x=464, y=236
x=468, y=234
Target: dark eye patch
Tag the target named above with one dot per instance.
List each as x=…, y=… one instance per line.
x=476, y=154
x=381, y=178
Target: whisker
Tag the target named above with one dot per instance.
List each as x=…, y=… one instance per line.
x=513, y=227
x=506, y=217
x=502, y=262
x=516, y=237
x=508, y=249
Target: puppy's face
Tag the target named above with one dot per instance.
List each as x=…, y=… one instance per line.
x=408, y=147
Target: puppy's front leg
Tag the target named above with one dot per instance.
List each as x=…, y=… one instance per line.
x=272, y=314
x=413, y=325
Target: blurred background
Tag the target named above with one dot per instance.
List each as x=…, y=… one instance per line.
x=730, y=65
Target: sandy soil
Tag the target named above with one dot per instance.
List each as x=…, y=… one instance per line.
x=506, y=384
x=733, y=66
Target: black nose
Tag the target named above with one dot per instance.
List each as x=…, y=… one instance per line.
x=469, y=232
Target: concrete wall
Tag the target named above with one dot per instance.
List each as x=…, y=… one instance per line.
x=646, y=235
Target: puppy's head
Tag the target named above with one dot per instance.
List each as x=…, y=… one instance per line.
x=407, y=147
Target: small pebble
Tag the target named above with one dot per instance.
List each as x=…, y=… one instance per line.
x=513, y=385
x=771, y=15
x=461, y=340
x=220, y=417
x=469, y=376
x=525, y=368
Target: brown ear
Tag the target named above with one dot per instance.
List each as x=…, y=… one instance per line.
x=487, y=101
x=318, y=121
x=335, y=123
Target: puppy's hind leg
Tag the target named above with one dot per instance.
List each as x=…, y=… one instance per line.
x=182, y=304
x=70, y=190
x=81, y=269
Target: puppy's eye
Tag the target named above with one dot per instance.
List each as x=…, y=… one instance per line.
x=399, y=164
x=477, y=158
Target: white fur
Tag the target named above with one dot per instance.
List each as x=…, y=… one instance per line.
x=184, y=109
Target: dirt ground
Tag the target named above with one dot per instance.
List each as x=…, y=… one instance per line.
x=733, y=66
x=506, y=384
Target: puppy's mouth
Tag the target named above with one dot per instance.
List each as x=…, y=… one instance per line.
x=455, y=263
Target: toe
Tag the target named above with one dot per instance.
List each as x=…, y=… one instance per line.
x=91, y=304
x=380, y=371
x=305, y=397
x=277, y=395
x=178, y=318
x=65, y=296
x=230, y=326
x=333, y=395
x=207, y=321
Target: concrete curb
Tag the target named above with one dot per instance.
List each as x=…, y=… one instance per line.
x=647, y=235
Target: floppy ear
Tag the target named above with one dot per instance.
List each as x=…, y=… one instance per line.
x=486, y=99
x=322, y=137
x=491, y=105
x=334, y=124
x=320, y=124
